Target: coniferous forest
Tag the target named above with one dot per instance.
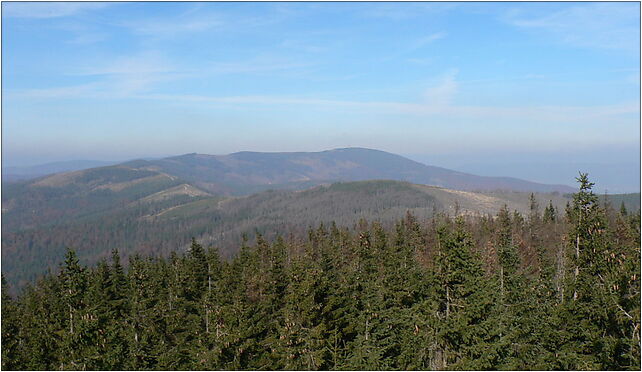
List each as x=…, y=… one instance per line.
x=553, y=289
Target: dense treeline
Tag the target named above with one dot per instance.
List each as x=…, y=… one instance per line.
x=542, y=291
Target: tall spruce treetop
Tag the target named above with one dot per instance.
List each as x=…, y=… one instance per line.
x=587, y=223
x=588, y=316
x=508, y=257
x=74, y=281
x=465, y=300
x=533, y=215
x=549, y=213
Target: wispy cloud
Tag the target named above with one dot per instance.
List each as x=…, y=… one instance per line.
x=415, y=45
x=542, y=114
x=131, y=77
x=48, y=9
x=436, y=99
x=421, y=61
x=132, y=74
x=443, y=93
x=165, y=27
x=403, y=11
x=420, y=43
x=302, y=46
x=194, y=19
x=198, y=19
x=123, y=77
x=145, y=62
x=87, y=38
x=74, y=91
x=258, y=64
x=596, y=25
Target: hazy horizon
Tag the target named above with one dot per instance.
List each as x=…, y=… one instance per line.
x=526, y=90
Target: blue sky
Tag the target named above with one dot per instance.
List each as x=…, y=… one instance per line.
x=450, y=84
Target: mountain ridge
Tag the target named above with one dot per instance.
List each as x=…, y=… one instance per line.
x=246, y=172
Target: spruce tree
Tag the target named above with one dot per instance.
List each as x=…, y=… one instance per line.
x=74, y=285
x=590, y=341
x=10, y=330
x=550, y=214
x=465, y=300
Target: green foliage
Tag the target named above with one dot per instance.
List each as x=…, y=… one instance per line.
x=446, y=294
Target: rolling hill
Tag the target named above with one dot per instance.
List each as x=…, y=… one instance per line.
x=243, y=173
x=62, y=197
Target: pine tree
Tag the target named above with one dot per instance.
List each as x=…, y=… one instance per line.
x=182, y=313
x=407, y=332
x=115, y=347
x=587, y=317
x=518, y=322
x=211, y=346
x=369, y=344
x=142, y=339
x=623, y=210
x=550, y=214
x=95, y=349
x=10, y=330
x=465, y=302
x=74, y=284
x=302, y=334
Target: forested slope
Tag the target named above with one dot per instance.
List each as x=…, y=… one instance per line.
x=543, y=290
x=150, y=213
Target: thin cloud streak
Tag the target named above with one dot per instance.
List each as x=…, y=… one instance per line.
x=547, y=113
x=594, y=25
x=256, y=65
x=165, y=28
x=146, y=62
x=48, y=9
x=197, y=20
x=443, y=94
x=427, y=40
x=133, y=76
x=403, y=11
x=438, y=100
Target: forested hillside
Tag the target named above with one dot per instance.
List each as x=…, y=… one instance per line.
x=150, y=213
x=544, y=289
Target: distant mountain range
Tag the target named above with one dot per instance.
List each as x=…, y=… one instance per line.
x=245, y=172
x=155, y=206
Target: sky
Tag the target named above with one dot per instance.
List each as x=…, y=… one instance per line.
x=531, y=90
